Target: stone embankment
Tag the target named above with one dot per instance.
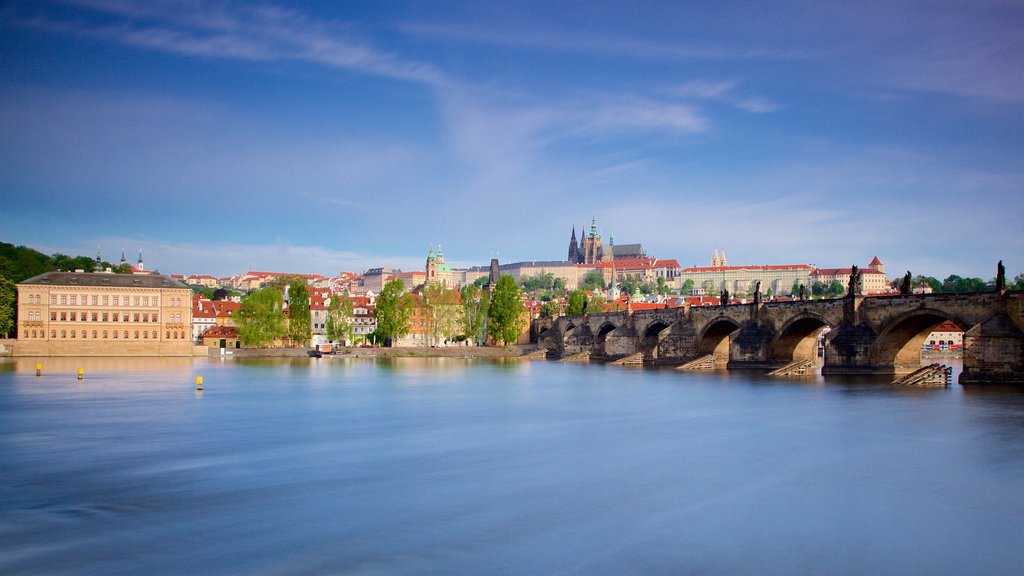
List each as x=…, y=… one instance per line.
x=401, y=352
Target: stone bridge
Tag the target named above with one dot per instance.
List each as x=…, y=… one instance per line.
x=874, y=335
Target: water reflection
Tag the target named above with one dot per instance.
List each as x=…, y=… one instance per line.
x=427, y=466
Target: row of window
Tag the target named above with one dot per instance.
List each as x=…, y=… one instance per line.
x=74, y=316
x=103, y=300
x=98, y=334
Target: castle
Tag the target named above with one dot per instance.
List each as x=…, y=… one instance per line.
x=589, y=249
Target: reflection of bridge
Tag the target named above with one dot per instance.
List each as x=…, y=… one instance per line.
x=868, y=335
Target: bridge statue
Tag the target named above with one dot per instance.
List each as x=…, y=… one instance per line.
x=757, y=293
x=855, y=276
x=905, y=287
x=803, y=292
x=725, y=297
x=1000, y=277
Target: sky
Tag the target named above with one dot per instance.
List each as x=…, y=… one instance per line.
x=220, y=137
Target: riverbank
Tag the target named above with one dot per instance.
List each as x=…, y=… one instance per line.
x=400, y=352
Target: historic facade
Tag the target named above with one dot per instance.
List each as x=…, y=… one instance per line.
x=437, y=271
x=589, y=250
x=102, y=314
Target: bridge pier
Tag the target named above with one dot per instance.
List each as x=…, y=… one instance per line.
x=994, y=352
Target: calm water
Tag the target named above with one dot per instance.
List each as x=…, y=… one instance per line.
x=465, y=467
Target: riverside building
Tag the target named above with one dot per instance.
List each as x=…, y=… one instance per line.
x=102, y=314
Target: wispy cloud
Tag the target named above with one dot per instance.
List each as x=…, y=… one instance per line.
x=724, y=91
x=588, y=42
x=212, y=29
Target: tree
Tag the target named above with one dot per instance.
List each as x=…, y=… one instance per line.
x=629, y=285
x=260, y=318
x=662, y=286
x=593, y=280
x=443, y=311
x=8, y=307
x=339, y=319
x=932, y=283
x=795, y=290
x=542, y=281
x=505, y=321
x=1018, y=282
x=393, y=310
x=955, y=283
x=475, y=304
x=577, y=300
x=687, y=287
x=550, y=310
x=596, y=304
x=299, y=318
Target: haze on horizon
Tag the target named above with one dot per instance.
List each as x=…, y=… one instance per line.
x=221, y=136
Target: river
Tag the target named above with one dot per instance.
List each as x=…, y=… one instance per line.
x=451, y=466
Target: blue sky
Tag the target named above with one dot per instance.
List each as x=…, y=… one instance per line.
x=220, y=137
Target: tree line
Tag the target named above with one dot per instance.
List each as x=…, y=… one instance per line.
x=472, y=314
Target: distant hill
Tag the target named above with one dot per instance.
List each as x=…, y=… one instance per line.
x=19, y=263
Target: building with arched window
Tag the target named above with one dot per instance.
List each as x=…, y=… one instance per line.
x=103, y=314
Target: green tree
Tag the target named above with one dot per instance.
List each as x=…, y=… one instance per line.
x=443, y=312
x=687, y=287
x=299, y=317
x=550, y=310
x=481, y=282
x=795, y=290
x=1018, y=282
x=955, y=283
x=577, y=300
x=558, y=286
x=8, y=307
x=339, y=319
x=593, y=280
x=475, y=303
x=629, y=285
x=505, y=319
x=933, y=283
x=394, y=307
x=835, y=289
x=260, y=318
x=542, y=281
x=596, y=304
x=661, y=287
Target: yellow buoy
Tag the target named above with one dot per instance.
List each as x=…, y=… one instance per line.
x=199, y=382
x=81, y=372
x=39, y=369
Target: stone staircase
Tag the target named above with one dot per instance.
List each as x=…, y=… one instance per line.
x=931, y=376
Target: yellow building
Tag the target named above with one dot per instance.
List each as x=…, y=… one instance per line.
x=100, y=314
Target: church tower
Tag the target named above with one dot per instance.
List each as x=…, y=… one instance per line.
x=574, y=251
x=431, y=267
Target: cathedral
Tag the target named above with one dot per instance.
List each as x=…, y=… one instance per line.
x=589, y=249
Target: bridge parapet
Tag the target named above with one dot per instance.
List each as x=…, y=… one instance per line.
x=869, y=334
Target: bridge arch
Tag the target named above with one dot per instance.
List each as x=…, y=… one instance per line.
x=716, y=337
x=651, y=337
x=602, y=337
x=567, y=331
x=899, y=342
x=798, y=338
